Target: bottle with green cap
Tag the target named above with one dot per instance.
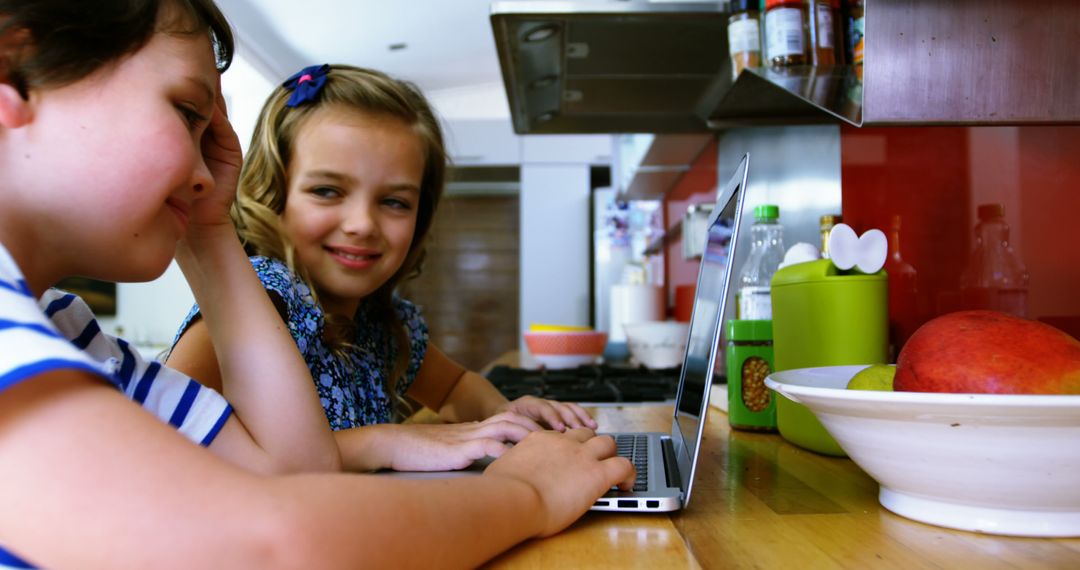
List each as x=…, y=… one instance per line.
x=766, y=253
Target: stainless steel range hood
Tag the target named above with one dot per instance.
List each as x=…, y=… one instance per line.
x=612, y=67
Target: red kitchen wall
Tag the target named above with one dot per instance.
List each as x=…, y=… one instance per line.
x=697, y=186
x=934, y=178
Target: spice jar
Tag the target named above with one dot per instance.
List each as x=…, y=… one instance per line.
x=838, y=32
x=855, y=28
x=744, y=38
x=822, y=32
x=785, y=32
x=749, y=356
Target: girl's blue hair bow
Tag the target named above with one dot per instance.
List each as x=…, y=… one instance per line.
x=306, y=84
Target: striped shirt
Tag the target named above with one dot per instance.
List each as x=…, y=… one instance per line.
x=59, y=332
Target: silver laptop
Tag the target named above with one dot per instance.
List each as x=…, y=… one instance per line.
x=666, y=461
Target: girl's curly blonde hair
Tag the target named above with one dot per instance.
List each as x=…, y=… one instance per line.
x=263, y=186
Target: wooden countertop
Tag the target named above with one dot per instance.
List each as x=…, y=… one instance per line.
x=761, y=502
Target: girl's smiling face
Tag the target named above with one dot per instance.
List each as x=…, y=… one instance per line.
x=352, y=200
x=107, y=166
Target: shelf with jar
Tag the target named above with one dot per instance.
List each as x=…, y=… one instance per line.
x=634, y=67
x=926, y=63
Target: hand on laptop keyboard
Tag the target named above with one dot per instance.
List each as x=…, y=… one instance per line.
x=431, y=447
x=568, y=471
x=559, y=416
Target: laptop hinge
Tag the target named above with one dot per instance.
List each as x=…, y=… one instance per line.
x=671, y=464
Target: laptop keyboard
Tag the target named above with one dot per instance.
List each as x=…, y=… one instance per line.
x=635, y=447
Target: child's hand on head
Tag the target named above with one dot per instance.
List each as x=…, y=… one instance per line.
x=558, y=416
x=223, y=157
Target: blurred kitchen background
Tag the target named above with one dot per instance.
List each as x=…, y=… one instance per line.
x=588, y=137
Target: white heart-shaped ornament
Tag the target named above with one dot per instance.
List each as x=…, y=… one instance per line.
x=867, y=253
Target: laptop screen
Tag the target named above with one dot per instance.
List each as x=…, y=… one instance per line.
x=704, y=336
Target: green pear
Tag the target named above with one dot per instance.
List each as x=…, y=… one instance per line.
x=875, y=377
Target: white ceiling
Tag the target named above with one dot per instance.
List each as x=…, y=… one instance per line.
x=449, y=43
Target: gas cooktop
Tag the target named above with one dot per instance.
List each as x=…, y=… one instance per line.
x=599, y=383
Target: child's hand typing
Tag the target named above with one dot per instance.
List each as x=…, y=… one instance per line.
x=567, y=471
x=559, y=416
x=431, y=447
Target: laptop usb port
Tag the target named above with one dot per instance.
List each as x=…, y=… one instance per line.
x=600, y=503
x=652, y=504
x=627, y=504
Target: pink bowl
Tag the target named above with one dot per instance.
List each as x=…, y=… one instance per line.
x=566, y=343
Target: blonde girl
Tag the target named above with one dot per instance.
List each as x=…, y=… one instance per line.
x=336, y=200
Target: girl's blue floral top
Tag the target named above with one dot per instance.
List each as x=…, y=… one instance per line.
x=352, y=388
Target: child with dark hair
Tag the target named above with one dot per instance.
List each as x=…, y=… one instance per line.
x=116, y=154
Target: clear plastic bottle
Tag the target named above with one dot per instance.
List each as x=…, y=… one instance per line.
x=766, y=253
x=994, y=278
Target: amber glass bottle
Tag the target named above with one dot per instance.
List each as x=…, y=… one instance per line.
x=838, y=32
x=744, y=39
x=904, y=314
x=826, y=224
x=785, y=32
x=822, y=32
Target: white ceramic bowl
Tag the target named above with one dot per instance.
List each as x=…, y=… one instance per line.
x=657, y=344
x=999, y=464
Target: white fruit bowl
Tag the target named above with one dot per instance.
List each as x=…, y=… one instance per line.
x=992, y=463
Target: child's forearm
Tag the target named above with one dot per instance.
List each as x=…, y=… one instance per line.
x=365, y=449
x=474, y=398
x=456, y=523
x=263, y=375
x=246, y=521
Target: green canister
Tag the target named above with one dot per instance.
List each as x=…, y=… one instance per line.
x=823, y=316
x=751, y=405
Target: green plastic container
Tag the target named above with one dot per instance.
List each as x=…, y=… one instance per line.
x=825, y=317
x=749, y=357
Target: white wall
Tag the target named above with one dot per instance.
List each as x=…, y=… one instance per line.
x=487, y=101
x=554, y=244
x=555, y=226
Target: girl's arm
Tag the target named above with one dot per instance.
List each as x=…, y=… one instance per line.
x=471, y=397
x=90, y=480
x=262, y=373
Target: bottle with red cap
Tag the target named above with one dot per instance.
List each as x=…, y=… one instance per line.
x=995, y=278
